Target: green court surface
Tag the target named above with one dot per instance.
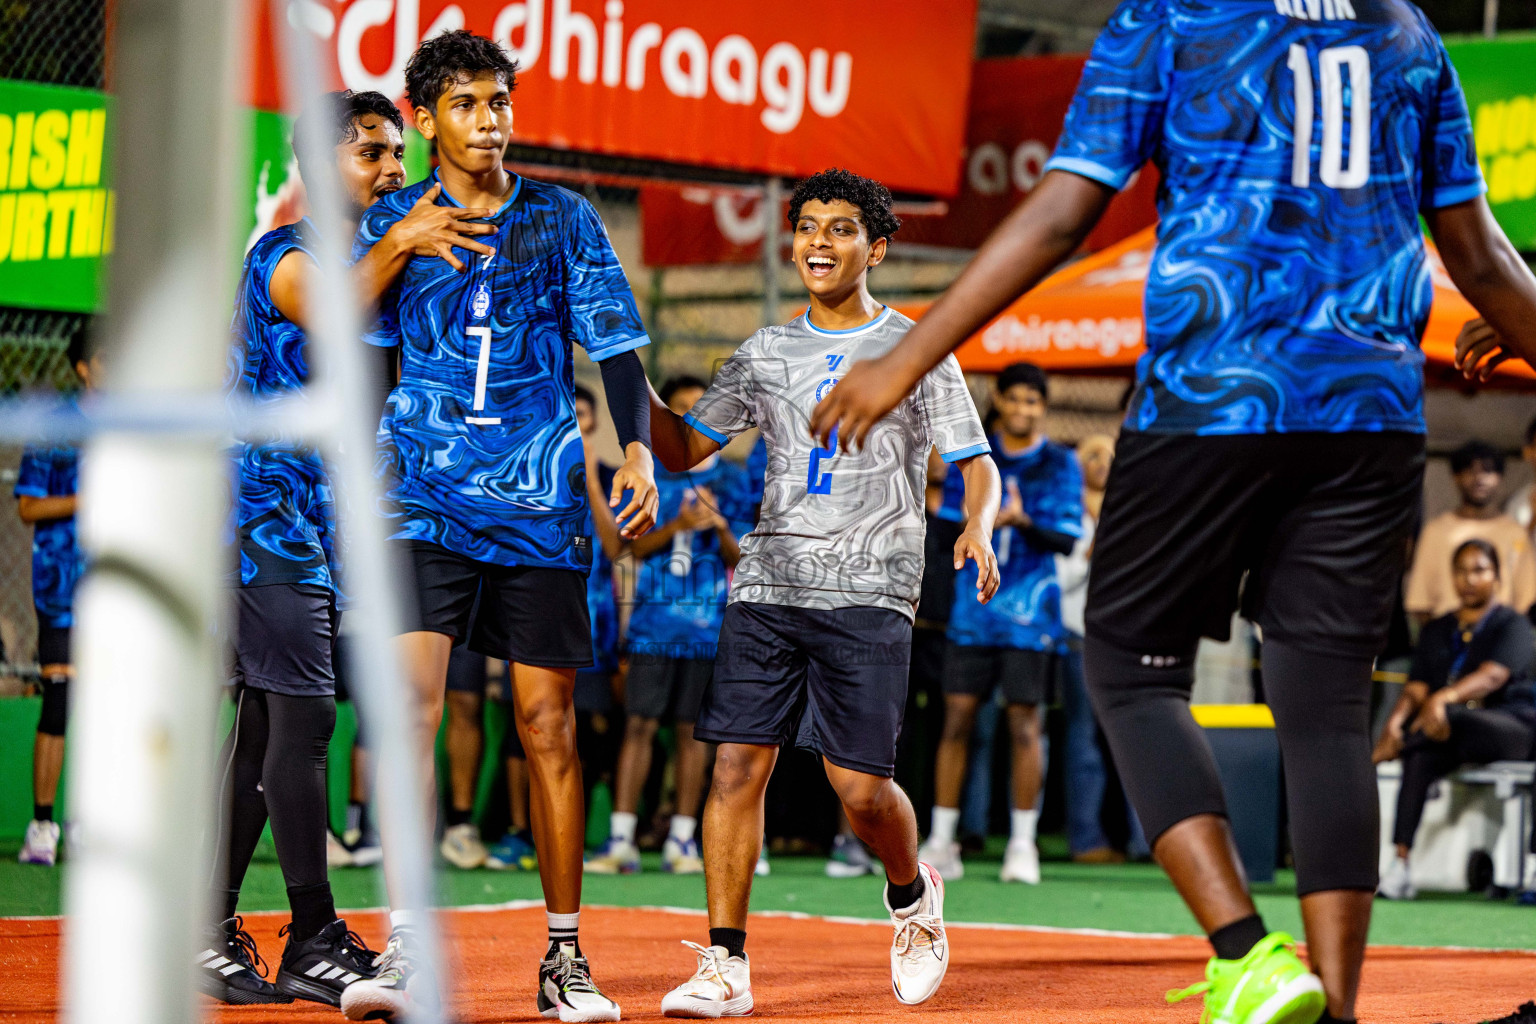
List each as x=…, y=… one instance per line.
x=1131, y=898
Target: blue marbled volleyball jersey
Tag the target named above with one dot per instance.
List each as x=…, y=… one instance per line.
x=56, y=558
x=479, y=442
x=1298, y=141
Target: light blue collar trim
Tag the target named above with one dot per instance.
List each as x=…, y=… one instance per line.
x=517, y=186
x=849, y=332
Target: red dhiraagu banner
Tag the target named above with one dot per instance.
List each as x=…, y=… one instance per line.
x=788, y=87
x=1017, y=107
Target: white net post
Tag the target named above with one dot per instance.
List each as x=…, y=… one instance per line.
x=152, y=515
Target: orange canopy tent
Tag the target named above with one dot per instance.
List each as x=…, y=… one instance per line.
x=1087, y=318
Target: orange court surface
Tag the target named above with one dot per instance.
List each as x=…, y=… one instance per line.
x=820, y=971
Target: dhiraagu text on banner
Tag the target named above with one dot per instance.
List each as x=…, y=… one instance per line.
x=55, y=203
x=1499, y=78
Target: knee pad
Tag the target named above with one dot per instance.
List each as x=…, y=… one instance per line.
x=55, y=705
x=1142, y=704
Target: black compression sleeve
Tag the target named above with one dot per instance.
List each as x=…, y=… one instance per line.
x=1054, y=541
x=629, y=398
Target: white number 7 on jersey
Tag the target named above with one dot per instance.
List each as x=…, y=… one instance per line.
x=482, y=371
x=1330, y=164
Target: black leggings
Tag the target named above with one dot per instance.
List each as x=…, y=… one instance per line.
x=1321, y=705
x=1478, y=736
x=273, y=764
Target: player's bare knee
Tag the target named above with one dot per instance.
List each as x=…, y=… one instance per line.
x=741, y=772
x=549, y=733
x=640, y=730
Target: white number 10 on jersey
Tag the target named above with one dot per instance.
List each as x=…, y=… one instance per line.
x=1331, y=166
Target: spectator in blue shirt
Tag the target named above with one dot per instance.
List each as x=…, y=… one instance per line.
x=45, y=498
x=1011, y=642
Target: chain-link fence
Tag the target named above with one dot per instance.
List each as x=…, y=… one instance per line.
x=33, y=344
x=62, y=42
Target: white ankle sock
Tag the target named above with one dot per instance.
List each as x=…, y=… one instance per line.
x=621, y=825
x=683, y=827
x=399, y=919
x=562, y=927
x=1024, y=826
x=945, y=820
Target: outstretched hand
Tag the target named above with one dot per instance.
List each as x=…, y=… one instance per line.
x=432, y=230
x=977, y=546
x=870, y=389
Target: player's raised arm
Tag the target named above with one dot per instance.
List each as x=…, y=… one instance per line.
x=1034, y=239
x=983, y=493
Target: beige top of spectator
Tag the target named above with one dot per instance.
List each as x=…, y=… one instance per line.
x=1429, y=582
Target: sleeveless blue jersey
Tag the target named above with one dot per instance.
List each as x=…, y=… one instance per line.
x=56, y=558
x=285, y=515
x=479, y=441
x=1025, y=613
x=1298, y=141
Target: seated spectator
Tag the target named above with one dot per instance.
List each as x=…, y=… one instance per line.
x=1469, y=699
x=1478, y=470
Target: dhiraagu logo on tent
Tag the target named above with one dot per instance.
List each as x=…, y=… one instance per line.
x=55, y=204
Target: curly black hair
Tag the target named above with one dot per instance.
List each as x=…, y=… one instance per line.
x=872, y=198
x=457, y=56
x=338, y=112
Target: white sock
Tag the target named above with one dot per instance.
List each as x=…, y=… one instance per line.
x=621, y=826
x=683, y=827
x=399, y=919
x=945, y=821
x=1024, y=826
x=562, y=927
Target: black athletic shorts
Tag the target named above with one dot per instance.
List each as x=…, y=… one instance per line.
x=530, y=615
x=830, y=680
x=285, y=639
x=662, y=687
x=466, y=672
x=1024, y=676
x=1306, y=533
x=54, y=645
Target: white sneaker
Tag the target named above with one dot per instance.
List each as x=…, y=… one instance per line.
x=920, y=948
x=615, y=857
x=336, y=853
x=721, y=987
x=384, y=996
x=462, y=846
x=763, y=868
x=945, y=858
x=682, y=857
x=566, y=990
x=1396, y=883
x=42, y=843
x=1021, y=863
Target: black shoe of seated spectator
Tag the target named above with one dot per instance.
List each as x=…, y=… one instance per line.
x=230, y=970
x=319, y=968
x=1496, y=894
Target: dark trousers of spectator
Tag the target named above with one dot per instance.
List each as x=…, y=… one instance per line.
x=1478, y=736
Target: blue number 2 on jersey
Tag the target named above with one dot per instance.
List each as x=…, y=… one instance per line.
x=817, y=481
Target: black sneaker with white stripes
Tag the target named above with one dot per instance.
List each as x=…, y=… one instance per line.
x=229, y=968
x=320, y=967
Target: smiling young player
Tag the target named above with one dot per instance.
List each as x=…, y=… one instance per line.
x=286, y=603
x=817, y=634
x=486, y=472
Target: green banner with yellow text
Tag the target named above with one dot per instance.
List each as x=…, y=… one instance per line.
x=1499, y=77
x=55, y=201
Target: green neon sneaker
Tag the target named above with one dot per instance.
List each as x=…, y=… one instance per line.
x=1268, y=986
